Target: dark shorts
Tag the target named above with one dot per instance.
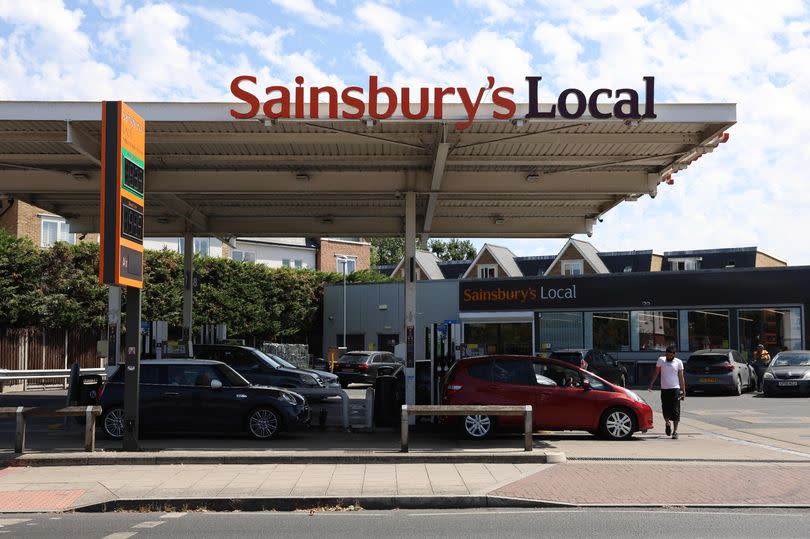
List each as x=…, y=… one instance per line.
x=671, y=404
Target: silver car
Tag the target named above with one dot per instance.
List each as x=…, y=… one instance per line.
x=719, y=369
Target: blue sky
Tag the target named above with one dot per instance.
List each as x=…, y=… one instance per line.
x=749, y=192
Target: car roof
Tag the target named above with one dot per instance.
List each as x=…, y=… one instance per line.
x=361, y=352
x=223, y=346
x=569, y=350
x=481, y=359
x=182, y=362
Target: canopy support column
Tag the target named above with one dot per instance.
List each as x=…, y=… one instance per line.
x=410, y=298
x=188, y=296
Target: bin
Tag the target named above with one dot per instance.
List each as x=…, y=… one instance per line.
x=387, y=400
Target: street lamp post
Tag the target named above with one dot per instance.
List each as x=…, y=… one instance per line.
x=345, y=261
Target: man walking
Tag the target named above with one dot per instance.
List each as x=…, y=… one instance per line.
x=673, y=389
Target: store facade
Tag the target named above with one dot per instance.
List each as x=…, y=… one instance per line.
x=634, y=316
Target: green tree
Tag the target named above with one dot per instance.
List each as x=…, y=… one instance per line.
x=452, y=249
x=387, y=250
x=21, y=298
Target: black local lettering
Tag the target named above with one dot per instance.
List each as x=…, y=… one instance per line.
x=627, y=106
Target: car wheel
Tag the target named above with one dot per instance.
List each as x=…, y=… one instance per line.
x=618, y=424
x=478, y=427
x=113, y=423
x=263, y=423
x=738, y=388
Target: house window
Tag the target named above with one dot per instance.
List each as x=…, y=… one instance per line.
x=487, y=271
x=299, y=264
x=54, y=230
x=285, y=262
x=349, y=262
x=244, y=256
x=201, y=246
x=572, y=267
x=684, y=264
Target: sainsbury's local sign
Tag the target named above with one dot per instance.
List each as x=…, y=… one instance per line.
x=379, y=102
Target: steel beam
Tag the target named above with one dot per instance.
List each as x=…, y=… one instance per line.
x=83, y=143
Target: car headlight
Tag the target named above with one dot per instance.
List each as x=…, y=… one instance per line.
x=309, y=381
x=806, y=375
x=633, y=395
x=767, y=376
x=288, y=398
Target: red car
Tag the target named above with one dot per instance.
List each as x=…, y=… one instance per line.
x=563, y=397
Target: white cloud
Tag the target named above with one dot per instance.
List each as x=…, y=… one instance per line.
x=499, y=10
x=309, y=12
x=230, y=20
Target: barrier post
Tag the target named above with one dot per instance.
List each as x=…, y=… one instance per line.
x=527, y=429
x=19, y=435
x=404, y=429
x=90, y=429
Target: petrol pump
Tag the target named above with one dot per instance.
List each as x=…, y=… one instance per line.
x=444, y=348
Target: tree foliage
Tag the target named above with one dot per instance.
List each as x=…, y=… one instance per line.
x=453, y=249
x=58, y=288
x=385, y=251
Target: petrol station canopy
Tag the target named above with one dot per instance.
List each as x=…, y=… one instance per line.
x=210, y=174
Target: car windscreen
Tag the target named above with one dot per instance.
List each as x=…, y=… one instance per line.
x=569, y=357
x=782, y=359
x=354, y=359
x=708, y=359
x=273, y=361
x=281, y=360
x=230, y=377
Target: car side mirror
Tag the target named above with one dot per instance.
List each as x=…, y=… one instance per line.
x=216, y=384
x=586, y=384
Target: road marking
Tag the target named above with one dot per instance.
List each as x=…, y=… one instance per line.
x=119, y=535
x=148, y=524
x=12, y=521
x=697, y=511
x=174, y=515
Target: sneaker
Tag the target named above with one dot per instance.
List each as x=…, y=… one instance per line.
x=668, y=430
x=674, y=435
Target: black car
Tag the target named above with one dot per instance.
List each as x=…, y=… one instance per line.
x=184, y=396
x=259, y=368
x=330, y=380
x=363, y=366
x=788, y=373
x=596, y=361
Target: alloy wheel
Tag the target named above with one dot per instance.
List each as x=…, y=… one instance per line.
x=477, y=426
x=263, y=424
x=618, y=425
x=114, y=423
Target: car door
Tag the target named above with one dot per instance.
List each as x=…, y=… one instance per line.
x=152, y=406
x=564, y=406
x=513, y=384
x=177, y=398
x=199, y=415
x=222, y=410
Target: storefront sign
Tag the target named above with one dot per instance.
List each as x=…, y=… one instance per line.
x=380, y=102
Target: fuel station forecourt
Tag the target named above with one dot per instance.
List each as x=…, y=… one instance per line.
x=466, y=169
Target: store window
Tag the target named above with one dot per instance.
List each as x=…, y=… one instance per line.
x=498, y=338
x=776, y=328
x=558, y=330
x=572, y=267
x=657, y=330
x=54, y=230
x=487, y=271
x=708, y=329
x=611, y=331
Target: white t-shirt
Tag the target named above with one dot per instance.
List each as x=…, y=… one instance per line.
x=669, y=372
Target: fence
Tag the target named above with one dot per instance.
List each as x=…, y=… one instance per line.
x=46, y=349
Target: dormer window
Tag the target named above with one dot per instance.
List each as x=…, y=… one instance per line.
x=684, y=264
x=571, y=267
x=487, y=271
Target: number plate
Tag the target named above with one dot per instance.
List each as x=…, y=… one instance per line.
x=347, y=369
x=708, y=380
x=788, y=383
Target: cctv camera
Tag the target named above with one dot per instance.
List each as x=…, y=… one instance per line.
x=590, y=234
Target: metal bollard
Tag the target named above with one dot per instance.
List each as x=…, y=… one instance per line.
x=527, y=429
x=404, y=429
x=19, y=435
x=90, y=429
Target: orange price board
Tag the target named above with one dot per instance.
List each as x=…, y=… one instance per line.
x=123, y=162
